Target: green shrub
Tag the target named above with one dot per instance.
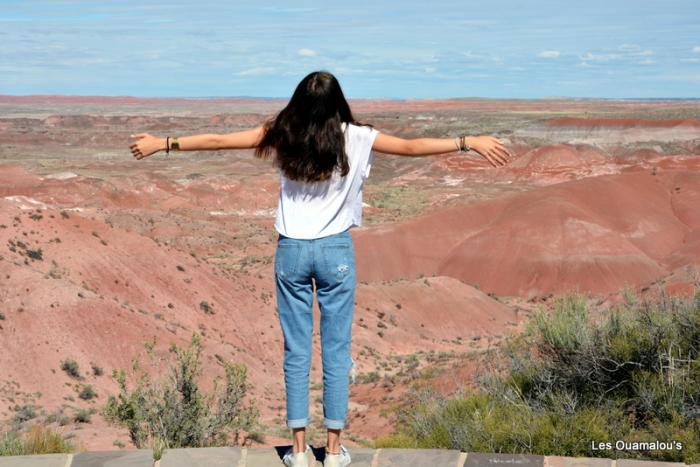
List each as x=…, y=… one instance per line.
x=57, y=417
x=206, y=307
x=24, y=413
x=37, y=440
x=82, y=416
x=632, y=375
x=370, y=377
x=96, y=370
x=158, y=448
x=87, y=392
x=175, y=411
x=646, y=355
x=70, y=366
x=35, y=254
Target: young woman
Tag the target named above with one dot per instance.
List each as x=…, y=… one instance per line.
x=324, y=156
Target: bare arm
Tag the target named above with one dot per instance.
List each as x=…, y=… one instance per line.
x=148, y=144
x=489, y=147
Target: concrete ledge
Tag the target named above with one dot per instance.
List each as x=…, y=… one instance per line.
x=560, y=461
x=478, y=459
x=204, y=457
x=46, y=460
x=269, y=457
x=393, y=457
x=134, y=458
x=635, y=463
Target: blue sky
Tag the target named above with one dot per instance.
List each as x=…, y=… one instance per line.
x=377, y=49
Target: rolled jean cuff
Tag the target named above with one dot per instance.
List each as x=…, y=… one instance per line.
x=333, y=424
x=297, y=423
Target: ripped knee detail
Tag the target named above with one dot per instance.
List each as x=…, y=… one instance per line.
x=353, y=371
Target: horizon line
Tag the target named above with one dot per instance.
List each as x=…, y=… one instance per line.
x=116, y=96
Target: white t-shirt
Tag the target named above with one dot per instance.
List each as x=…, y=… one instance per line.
x=309, y=210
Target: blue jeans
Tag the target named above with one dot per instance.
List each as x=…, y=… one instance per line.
x=330, y=262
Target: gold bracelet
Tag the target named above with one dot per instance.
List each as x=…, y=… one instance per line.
x=174, y=144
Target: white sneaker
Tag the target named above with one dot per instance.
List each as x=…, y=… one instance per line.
x=337, y=460
x=298, y=459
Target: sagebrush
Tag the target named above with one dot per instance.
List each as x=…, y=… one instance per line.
x=175, y=412
x=632, y=374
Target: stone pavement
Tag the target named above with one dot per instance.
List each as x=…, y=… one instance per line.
x=270, y=457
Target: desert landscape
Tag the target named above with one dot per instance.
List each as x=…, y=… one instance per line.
x=101, y=253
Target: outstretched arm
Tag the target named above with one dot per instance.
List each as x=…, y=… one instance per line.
x=147, y=144
x=489, y=147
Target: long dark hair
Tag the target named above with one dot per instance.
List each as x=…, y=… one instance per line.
x=306, y=135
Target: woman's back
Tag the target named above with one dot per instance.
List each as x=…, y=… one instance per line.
x=308, y=210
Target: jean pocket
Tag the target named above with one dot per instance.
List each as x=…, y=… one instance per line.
x=338, y=260
x=286, y=259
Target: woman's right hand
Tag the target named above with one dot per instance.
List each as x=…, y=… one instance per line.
x=146, y=145
x=490, y=149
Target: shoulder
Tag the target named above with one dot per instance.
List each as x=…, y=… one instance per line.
x=363, y=130
x=363, y=127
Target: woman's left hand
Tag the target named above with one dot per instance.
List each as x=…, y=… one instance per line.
x=146, y=145
x=491, y=149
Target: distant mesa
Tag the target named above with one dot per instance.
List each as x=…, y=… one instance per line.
x=621, y=122
x=612, y=131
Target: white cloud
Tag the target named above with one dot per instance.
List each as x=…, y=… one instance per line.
x=692, y=60
x=470, y=54
x=589, y=57
x=550, y=54
x=275, y=9
x=257, y=71
x=471, y=22
x=430, y=69
x=696, y=48
x=635, y=50
x=629, y=47
x=632, y=53
x=690, y=77
x=307, y=52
